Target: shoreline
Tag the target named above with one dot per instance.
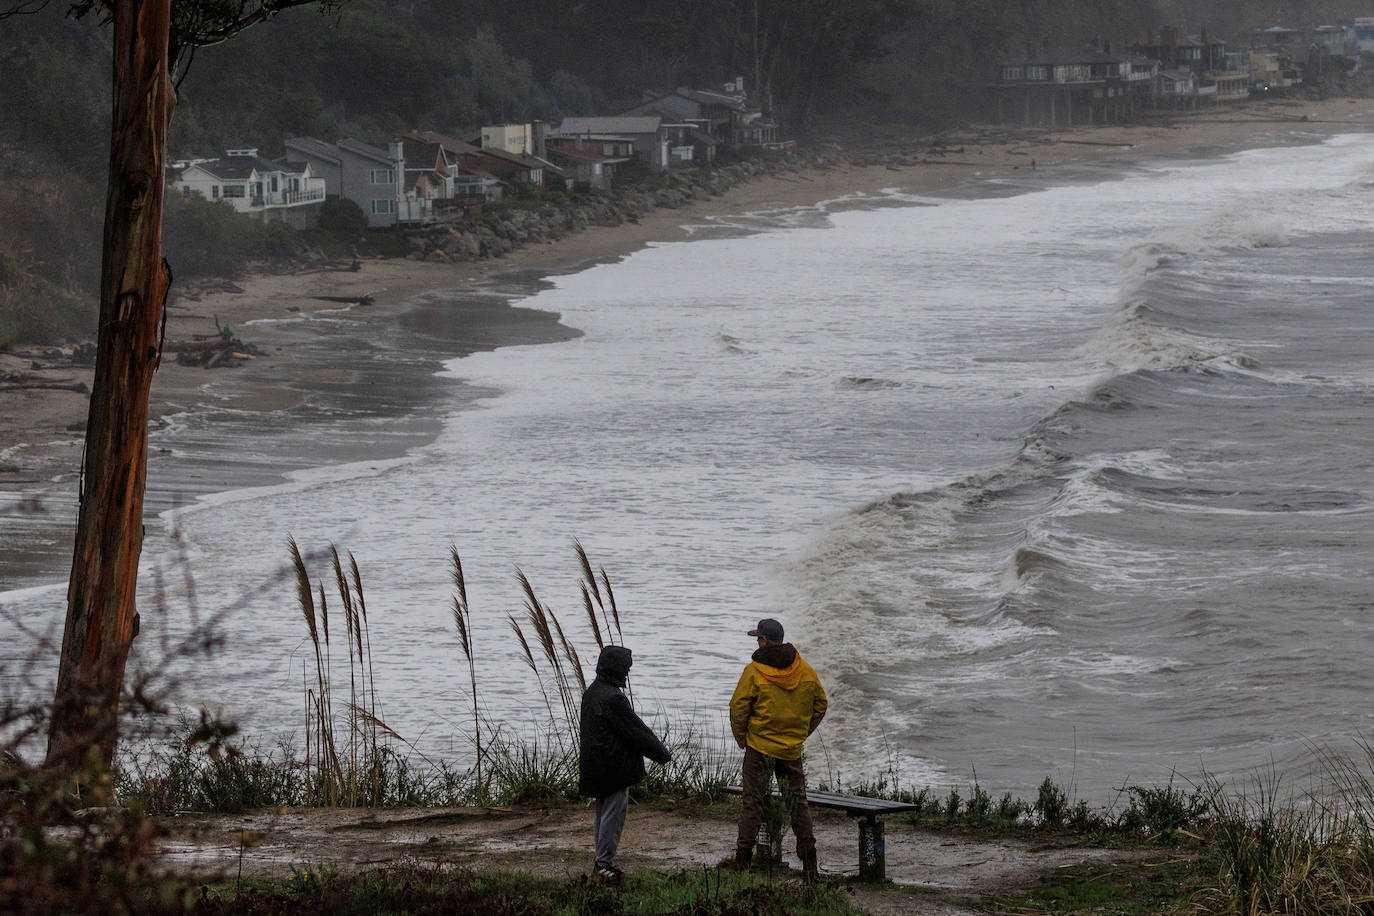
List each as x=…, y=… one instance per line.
x=314, y=349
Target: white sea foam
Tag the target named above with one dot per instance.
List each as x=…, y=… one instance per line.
x=1130, y=339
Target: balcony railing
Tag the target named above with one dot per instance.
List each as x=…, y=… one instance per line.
x=287, y=199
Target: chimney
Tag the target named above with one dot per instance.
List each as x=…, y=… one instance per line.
x=538, y=132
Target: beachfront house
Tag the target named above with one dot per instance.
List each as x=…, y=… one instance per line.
x=1335, y=40
x=522, y=139
x=512, y=168
x=591, y=160
x=1175, y=50
x=717, y=117
x=659, y=144
x=1272, y=71
x=1362, y=28
x=496, y=164
x=370, y=176
x=1067, y=85
x=469, y=182
x=266, y=189
x=1275, y=38
x=1175, y=86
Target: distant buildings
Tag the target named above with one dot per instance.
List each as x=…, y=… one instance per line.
x=1064, y=86
x=424, y=175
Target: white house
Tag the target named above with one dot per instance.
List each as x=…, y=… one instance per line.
x=268, y=190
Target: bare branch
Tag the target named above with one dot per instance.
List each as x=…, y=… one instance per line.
x=23, y=8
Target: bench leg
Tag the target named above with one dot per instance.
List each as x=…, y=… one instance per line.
x=769, y=848
x=872, y=850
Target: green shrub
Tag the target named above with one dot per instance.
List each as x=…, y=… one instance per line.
x=1156, y=809
x=36, y=310
x=1051, y=804
x=342, y=219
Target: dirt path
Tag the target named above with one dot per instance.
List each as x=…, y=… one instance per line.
x=931, y=874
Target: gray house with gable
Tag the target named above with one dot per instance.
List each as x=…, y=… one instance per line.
x=371, y=177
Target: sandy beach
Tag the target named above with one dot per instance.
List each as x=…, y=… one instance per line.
x=41, y=428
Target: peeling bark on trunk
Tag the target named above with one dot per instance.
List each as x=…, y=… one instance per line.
x=133, y=289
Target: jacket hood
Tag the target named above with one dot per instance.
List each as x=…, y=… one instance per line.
x=614, y=664
x=780, y=665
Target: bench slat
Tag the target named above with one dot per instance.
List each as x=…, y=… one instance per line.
x=853, y=804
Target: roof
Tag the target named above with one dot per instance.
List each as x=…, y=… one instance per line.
x=633, y=124
x=1178, y=76
x=707, y=97
x=528, y=162
x=366, y=150
x=238, y=168
x=451, y=144
x=574, y=155
x=1064, y=54
x=417, y=152
x=699, y=96
x=599, y=138
x=551, y=167
x=230, y=168
x=312, y=147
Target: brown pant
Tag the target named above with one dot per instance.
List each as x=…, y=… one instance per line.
x=757, y=768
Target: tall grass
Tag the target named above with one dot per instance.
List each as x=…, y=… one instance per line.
x=360, y=769
x=1282, y=850
x=462, y=620
x=353, y=757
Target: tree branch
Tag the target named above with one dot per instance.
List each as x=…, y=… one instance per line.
x=23, y=8
x=198, y=23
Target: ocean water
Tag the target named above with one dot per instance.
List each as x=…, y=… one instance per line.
x=1065, y=475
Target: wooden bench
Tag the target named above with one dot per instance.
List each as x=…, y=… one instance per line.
x=872, y=849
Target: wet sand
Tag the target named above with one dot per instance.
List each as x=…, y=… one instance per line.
x=373, y=364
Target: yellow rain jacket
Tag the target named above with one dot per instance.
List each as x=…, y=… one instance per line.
x=778, y=702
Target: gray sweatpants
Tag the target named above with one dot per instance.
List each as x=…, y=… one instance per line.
x=607, y=824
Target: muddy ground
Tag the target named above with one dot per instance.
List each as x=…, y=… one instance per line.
x=931, y=874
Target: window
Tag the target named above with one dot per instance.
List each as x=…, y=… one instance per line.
x=214, y=191
x=235, y=190
x=274, y=184
x=380, y=176
x=381, y=206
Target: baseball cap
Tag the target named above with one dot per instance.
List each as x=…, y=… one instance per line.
x=769, y=629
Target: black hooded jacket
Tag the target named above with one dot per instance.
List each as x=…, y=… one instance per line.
x=614, y=741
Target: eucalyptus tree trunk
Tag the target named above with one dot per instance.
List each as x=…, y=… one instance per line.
x=133, y=289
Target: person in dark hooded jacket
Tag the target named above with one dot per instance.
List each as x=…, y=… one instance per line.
x=614, y=742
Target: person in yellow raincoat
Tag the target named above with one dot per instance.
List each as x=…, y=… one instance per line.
x=777, y=704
